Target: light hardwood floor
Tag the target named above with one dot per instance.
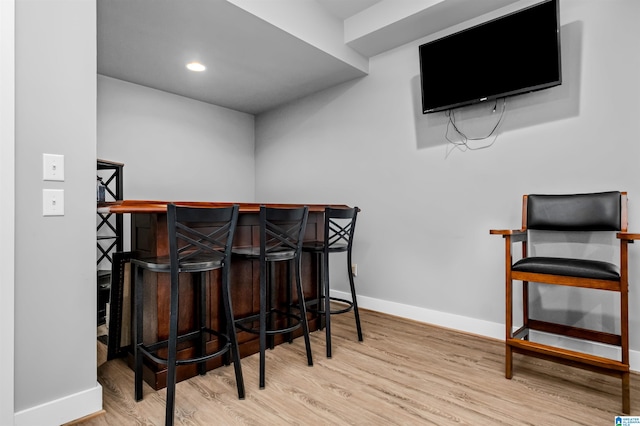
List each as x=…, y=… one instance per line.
x=404, y=373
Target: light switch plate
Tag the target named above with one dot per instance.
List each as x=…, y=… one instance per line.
x=53, y=202
x=53, y=167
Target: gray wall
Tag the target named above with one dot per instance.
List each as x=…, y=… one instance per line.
x=175, y=148
x=7, y=207
x=423, y=247
x=55, y=280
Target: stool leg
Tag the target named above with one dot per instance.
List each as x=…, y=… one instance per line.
x=172, y=349
x=229, y=327
x=231, y=331
x=626, y=393
x=354, y=298
x=201, y=295
x=327, y=301
x=289, y=299
x=320, y=290
x=303, y=312
x=137, y=327
x=263, y=319
x=508, y=356
x=624, y=345
x=271, y=298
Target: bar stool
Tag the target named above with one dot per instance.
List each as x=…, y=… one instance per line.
x=339, y=228
x=281, y=234
x=200, y=240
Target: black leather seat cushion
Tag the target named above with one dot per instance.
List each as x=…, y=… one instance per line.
x=275, y=255
x=192, y=264
x=318, y=246
x=568, y=267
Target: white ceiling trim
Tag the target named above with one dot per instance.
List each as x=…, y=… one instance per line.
x=392, y=23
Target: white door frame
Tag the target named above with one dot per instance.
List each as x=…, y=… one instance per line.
x=7, y=209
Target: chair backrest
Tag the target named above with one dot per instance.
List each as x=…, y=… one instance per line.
x=282, y=229
x=602, y=211
x=196, y=233
x=339, y=228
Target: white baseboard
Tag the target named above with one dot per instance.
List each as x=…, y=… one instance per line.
x=466, y=324
x=63, y=410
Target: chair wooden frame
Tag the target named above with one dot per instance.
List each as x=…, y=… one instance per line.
x=518, y=341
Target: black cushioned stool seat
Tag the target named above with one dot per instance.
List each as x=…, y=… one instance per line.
x=595, y=269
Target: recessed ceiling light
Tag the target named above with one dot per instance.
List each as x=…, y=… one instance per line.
x=196, y=66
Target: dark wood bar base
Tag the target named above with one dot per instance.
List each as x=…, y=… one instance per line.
x=149, y=238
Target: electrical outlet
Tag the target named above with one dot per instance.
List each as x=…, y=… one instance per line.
x=354, y=269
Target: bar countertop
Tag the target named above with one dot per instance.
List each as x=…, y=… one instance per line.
x=149, y=206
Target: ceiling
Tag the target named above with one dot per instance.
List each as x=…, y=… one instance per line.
x=259, y=53
x=344, y=9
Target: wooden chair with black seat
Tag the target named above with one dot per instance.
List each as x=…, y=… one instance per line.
x=585, y=220
x=339, y=229
x=200, y=241
x=281, y=235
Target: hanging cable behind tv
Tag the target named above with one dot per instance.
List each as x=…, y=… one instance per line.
x=464, y=139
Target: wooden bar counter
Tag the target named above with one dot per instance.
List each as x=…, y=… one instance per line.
x=149, y=238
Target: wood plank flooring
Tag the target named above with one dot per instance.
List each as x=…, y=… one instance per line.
x=404, y=373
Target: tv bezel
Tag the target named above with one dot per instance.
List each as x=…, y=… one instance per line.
x=490, y=97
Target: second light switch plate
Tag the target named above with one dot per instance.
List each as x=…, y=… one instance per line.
x=53, y=167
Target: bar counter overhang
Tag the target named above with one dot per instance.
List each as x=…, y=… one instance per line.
x=152, y=206
x=149, y=238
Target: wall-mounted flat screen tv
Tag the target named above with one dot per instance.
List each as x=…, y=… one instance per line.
x=513, y=54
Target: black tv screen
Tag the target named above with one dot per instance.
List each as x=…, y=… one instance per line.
x=513, y=54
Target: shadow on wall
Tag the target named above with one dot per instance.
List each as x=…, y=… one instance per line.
x=522, y=111
x=581, y=308
x=586, y=308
